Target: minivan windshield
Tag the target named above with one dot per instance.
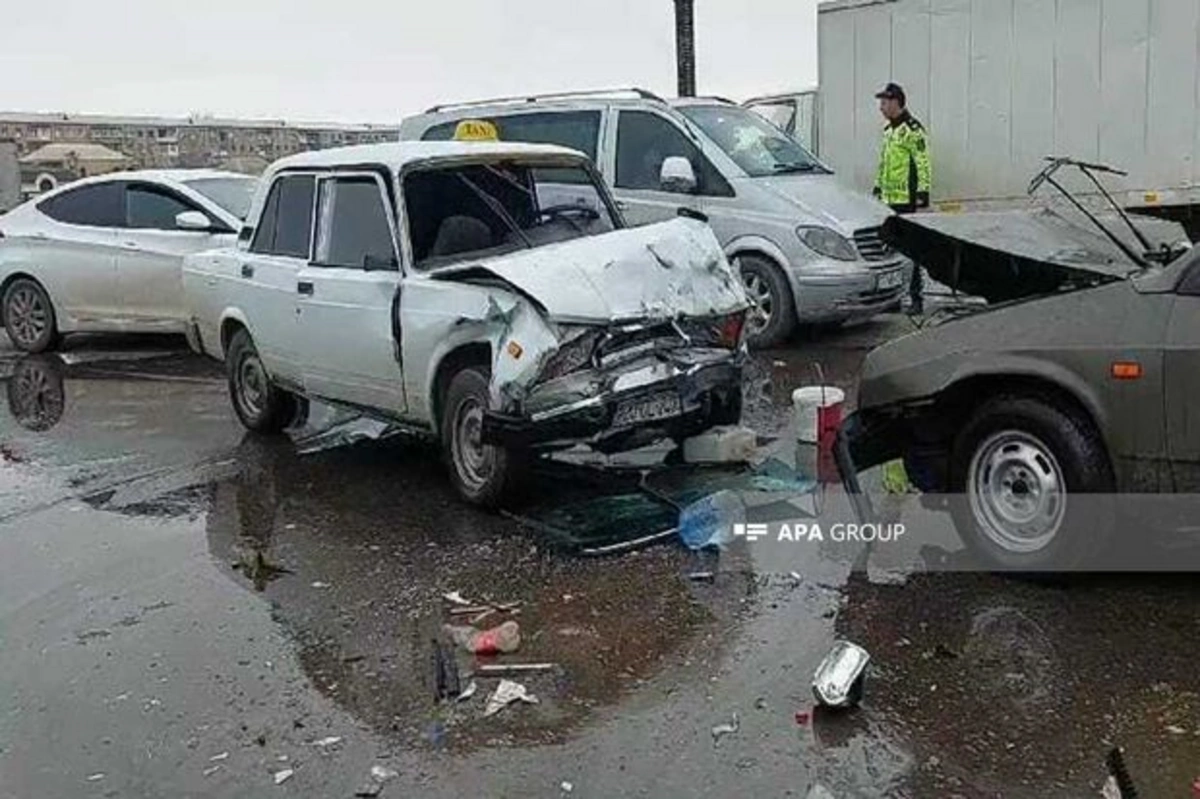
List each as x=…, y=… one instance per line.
x=753, y=143
x=479, y=210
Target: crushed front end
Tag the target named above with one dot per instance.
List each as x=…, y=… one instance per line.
x=623, y=385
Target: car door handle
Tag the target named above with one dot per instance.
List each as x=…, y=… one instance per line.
x=247, y=271
x=305, y=288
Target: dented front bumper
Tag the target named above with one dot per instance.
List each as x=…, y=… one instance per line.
x=583, y=407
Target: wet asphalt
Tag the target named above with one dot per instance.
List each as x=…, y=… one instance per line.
x=188, y=610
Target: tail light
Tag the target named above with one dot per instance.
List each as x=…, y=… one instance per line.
x=729, y=330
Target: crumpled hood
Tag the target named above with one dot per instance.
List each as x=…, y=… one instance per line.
x=666, y=270
x=826, y=201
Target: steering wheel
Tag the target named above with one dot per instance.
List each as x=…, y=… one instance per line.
x=565, y=211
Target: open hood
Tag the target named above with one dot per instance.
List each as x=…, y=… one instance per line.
x=1010, y=255
x=666, y=270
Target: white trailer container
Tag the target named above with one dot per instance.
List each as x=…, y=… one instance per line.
x=1001, y=84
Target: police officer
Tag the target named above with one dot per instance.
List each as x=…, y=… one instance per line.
x=904, y=169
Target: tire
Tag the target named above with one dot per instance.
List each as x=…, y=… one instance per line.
x=1018, y=471
x=36, y=397
x=774, y=315
x=29, y=316
x=261, y=406
x=482, y=474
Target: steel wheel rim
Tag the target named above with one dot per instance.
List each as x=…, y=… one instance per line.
x=26, y=315
x=252, y=385
x=1017, y=491
x=761, y=304
x=473, y=460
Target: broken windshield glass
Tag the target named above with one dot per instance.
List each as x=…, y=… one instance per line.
x=479, y=210
x=757, y=146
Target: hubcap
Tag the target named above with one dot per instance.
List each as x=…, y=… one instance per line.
x=27, y=316
x=473, y=460
x=252, y=385
x=759, y=294
x=1016, y=491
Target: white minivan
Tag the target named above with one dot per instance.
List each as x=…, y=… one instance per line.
x=808, y=248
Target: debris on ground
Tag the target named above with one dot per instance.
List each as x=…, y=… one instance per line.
x=283, y=776
x=383, y=773
x=468, y=692
x=773, y=476
x=505, y=694
x=567, y=787
x=838, y=681
x=445, y=673
x=1119, y=784
x=222, y=756
x=319, y=584
x=497, y=669
x=325, y=743
x=724, y=444
x=455, y=598
x=895, y=478
x=95, y=777
x=368, y=789
x=818, y=791
x=730, y=728
x=710, y=522
x=505, y=638
x=702, y=576
x=803, y=717
x=470, y=609
x=211, y=770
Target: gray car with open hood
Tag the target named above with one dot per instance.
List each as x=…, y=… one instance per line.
x=1079, y=377
x=488, y=294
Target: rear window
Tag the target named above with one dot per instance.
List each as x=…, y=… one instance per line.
x=97, y=205
x=579, y=130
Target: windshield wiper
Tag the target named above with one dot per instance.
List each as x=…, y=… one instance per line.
x=806, y=166
x=497, y=208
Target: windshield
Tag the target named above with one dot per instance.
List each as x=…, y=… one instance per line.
x=231, y=193
x=478, y=210
x=754, y=144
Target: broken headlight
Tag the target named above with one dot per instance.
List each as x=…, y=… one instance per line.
x=573, y=355
x=722, y=332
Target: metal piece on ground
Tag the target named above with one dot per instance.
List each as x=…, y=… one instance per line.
x=496, y=669
x=1119, y=775
x=838, y=681
x=730, y=728
x=445, y=673
x=469, y=691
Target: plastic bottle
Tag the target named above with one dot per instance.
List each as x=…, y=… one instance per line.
x=505, y=638
x=709, y=522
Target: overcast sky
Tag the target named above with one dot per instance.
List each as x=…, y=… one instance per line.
x=377, y=60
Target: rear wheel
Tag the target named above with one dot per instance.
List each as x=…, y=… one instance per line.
x=29, y=316
x=482, y=473
x=773, y=309
x=261, y=405
x=1031, y=484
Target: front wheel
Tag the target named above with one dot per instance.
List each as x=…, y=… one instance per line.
x=1032, y=485
x=772, y=307
x=261, y=406
x=29, y=316
x=482, y=473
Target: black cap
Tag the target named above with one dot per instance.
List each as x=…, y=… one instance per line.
x=892, y=91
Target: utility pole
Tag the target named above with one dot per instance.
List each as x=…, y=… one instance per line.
x=685, y=47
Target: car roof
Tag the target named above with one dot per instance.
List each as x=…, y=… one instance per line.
x=158, y=176
x=397, y=155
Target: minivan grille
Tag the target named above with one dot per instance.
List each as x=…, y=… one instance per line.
x=871, y=245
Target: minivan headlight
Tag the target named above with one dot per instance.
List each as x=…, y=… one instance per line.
x=829, y=243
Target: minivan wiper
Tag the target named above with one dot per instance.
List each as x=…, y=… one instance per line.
x=800, y=166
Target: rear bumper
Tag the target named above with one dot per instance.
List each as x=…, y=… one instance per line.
x=704, y=388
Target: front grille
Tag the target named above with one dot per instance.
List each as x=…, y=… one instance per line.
x=871, y=245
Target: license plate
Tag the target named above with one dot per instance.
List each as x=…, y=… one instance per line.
x=891, y=280
x=647, y=409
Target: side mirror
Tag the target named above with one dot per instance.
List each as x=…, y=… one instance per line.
x=192, y=220
x=677, y=175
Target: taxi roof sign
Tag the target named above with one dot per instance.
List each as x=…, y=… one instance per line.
x=476, y=130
